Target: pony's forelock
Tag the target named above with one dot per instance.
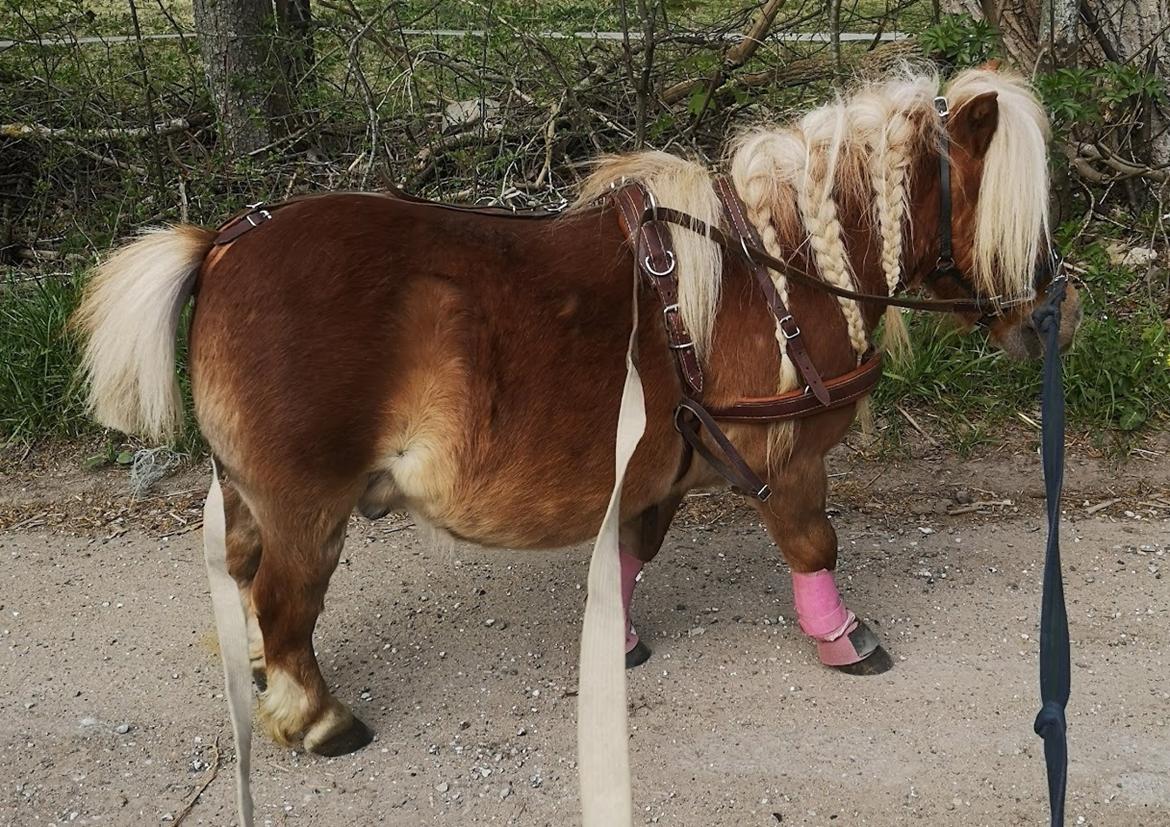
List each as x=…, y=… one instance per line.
x=1011, y=221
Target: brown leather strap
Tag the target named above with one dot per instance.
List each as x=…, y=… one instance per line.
x=843, y=390
x=689, y=417
x=744, y=229
x=258, y=213
x=653, y=250
x=761, y=256
x=242, y=223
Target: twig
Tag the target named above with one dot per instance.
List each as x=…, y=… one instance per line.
x=915, y=425
x=976, y=506
x=1101, y=506
x=1029, y=420
x=183, y=813
x=184, y=530
x=36, y=130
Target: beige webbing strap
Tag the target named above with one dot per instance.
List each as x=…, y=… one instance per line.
x=232, y=629
x=603, y=755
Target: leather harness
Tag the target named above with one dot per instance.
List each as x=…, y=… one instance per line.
x=647, y=230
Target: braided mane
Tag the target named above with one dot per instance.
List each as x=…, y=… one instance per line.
x=796, y=181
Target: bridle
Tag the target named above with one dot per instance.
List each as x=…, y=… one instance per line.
x=1047, y=269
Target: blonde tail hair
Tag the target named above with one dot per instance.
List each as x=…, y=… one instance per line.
x=128, y=318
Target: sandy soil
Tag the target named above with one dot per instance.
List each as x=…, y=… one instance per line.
x=465, y=663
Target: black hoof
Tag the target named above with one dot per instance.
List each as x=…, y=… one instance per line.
x=879, y=661
x=260, y=678
x=373, y=512
x=343, y=743
x=638, y=655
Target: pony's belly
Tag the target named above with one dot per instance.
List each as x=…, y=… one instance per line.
x=513, y=506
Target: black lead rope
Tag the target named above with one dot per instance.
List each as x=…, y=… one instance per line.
x=1054, y=646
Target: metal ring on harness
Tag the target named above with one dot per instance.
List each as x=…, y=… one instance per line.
x=648, y=264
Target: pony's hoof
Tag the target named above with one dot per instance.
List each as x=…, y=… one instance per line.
x=260, y=678
x=877, y=662
x=853, y=650
x=351, y=739
x=638, y=655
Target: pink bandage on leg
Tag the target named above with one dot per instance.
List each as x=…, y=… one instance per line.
x=823, y=616
x=631, y=567
x=819, y=608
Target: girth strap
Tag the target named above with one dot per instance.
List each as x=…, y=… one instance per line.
x=746, y=231
x=689, y=417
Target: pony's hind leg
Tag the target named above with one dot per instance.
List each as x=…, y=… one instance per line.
x=243, y=559
x=795, y=518
x=301, y=550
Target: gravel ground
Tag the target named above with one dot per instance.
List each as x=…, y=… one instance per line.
x=464, y=662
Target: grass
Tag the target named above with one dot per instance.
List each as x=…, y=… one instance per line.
x=39, y=396
x=1117, y=373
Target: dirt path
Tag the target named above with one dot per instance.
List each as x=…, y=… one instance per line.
x=465, y=661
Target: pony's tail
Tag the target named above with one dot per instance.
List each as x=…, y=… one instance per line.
x=128, y=318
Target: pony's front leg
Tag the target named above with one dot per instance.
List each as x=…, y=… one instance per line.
x=640, y=541
x=795, y=517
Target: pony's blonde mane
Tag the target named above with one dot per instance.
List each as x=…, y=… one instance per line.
x=855, y=153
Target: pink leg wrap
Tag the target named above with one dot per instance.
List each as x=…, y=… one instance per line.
x=631, y=567
x=823, y=616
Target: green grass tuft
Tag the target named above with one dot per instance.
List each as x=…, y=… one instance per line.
x=39, y=394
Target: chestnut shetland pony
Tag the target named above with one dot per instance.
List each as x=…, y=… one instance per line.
x=376, y=352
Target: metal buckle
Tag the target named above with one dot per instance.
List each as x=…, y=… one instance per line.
x=267, y=217
x=743, y=246
x=763, y=494
x=688, y=344
x=649, y=266
x=784, y=330
x=653, y=204
x=670, y=308
x=941, y=106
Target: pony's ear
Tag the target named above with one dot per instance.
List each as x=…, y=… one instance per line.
x=975, y=122
x=991, y=64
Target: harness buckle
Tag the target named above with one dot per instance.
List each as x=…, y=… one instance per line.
x=653, y=204
x=743, y=246
x=648, y=264
x=941, y=106
x=789, y=335
x=670, y=308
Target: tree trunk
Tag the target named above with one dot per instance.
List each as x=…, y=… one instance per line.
x=244, y=72
x=1040, y=35
x=1143, y=36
